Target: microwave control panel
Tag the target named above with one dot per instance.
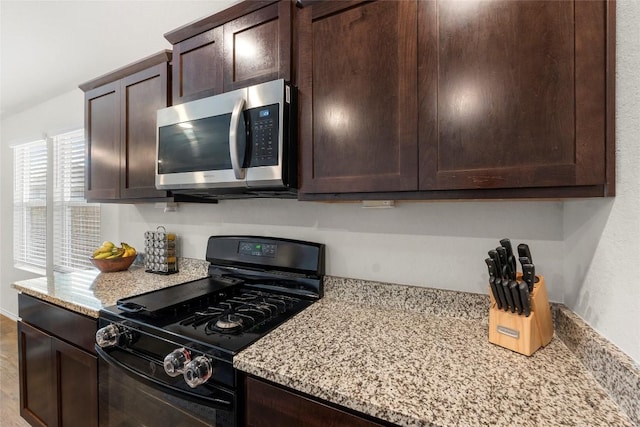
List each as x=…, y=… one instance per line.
x=263, y=135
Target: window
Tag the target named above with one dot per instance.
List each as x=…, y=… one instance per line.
x=57, y=210
x=30, y=204
x=76, y=223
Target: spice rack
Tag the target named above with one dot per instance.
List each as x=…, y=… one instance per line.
x=523, y=334
x=161, y=256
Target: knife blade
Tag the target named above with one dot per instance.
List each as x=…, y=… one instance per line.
x=492, y=281
x=506, y=243
x=496, y=259
x=515, y=294
x=529, y=275
x=525, y=296
x=523, y=250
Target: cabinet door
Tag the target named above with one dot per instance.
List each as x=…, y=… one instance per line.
x=268, y=405
x=358, y=96
x=198, y=66
x=102, y=129
x=257, y=47
x=512, y=94
x=143, y=94
x=76, y=385
x=37, y=401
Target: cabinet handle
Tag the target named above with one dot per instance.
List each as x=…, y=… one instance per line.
x=238, y=170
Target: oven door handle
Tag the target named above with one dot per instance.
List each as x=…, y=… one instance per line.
x=221, y=404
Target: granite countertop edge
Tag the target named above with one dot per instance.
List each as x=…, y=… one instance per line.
x=88, y=291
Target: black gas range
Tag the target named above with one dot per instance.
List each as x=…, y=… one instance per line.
x=176, y=345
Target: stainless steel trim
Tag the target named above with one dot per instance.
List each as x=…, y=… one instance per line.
x=266, y=94
x=238, y=170
x=508, y=332
x=269, y=93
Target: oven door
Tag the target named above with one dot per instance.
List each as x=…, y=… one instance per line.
x=134, y=391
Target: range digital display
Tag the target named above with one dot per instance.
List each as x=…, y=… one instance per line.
x=258, y=249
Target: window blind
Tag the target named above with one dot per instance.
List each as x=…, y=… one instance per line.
x=76, y=224
x=30, y=204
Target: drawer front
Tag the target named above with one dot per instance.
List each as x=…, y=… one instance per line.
x=67, y=325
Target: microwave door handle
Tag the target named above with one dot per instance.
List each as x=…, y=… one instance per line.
x=234, y=132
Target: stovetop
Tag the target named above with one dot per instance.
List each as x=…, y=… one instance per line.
x=228, y=317
x=254, y=285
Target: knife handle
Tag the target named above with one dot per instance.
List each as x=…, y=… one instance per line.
x=507, y=270
x=508, y=296
x=492, y=281
x=496, y=259
x=494, y=292
x=524, y=251
x=511, y=260
x=525, y=298
x=502, y=254
x=529, y=275
x=501, y=296
x=524, y=260
x=515, y=294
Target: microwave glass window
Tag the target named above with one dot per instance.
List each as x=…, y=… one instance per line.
x=193, y=146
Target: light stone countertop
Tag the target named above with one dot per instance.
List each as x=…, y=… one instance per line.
x=408, y=355
x=409, y=366
x=88, y=291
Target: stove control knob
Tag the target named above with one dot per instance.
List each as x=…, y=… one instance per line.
x=175, y=361
x=108, y=336
x=198, y=371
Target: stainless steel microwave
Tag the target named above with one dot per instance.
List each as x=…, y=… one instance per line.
x=241, y=142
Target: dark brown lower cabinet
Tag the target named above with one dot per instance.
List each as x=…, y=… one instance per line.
x=270, y=405
x=58, y=381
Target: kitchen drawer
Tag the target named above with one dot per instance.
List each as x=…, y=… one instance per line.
x=67, y=325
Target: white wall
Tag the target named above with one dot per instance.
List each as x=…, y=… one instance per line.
x=137, y=31
x=602, y=237
x=427, y=244
x=436, y=244
x=57, y=115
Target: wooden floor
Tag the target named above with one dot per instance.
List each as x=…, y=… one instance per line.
x=9, y=389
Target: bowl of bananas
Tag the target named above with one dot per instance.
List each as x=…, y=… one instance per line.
x=109, y=257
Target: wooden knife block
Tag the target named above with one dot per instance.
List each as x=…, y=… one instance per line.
x=523, y=334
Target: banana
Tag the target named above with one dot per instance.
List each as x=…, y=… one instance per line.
x=128, y=249
x=109, y=250
x=102, y=255
x=101, y=249
x=117, y=253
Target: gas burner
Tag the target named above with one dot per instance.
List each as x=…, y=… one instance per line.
x=202, y=317
x=227, y=324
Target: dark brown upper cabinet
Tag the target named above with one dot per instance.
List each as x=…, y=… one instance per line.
x=358, y=96
x=448, y=99
x=120, y=127
x=521, y=94
x=246, y=44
